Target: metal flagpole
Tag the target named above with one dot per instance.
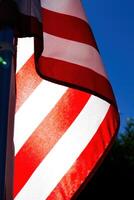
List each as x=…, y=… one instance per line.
x=7, y=109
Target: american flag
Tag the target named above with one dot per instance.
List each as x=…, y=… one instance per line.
x=63, y=128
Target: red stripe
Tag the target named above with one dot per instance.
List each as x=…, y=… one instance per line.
x=88, y=159
x=76, y=76
x=46, y=135
x=67, y=27
x=27, y=80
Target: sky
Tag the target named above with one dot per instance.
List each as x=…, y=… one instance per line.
x=112, y=22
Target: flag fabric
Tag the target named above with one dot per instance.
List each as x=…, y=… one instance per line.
x=66, y=123
x=29, y=20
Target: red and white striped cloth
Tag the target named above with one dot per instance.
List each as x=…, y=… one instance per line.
x=61, y=134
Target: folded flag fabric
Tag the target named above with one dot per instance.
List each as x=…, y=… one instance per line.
x=66, y=123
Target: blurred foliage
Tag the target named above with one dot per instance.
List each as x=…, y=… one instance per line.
x=115, y=177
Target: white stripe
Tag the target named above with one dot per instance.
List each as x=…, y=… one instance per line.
x=73, y=52
x=33, y=111
x=68, y=7
x=65, y=152
x=25, y=49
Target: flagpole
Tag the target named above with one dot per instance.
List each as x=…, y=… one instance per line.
x=7, y=107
